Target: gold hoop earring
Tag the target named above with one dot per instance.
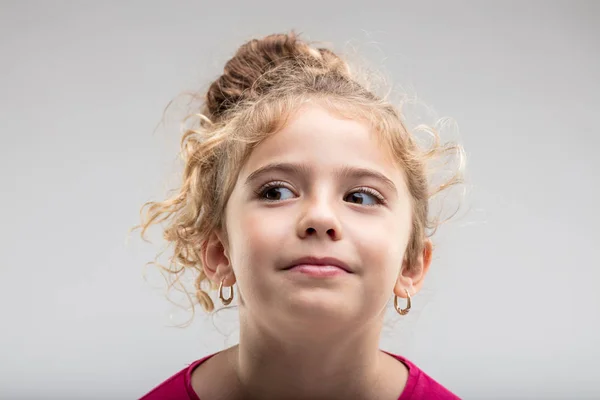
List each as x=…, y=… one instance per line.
x=408, y=304
x=225, y=301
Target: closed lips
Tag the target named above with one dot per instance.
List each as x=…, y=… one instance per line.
x=325, y=261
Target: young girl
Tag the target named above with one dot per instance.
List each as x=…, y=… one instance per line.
x=305, y=190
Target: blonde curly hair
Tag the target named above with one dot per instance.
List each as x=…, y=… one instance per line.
x=261, y=86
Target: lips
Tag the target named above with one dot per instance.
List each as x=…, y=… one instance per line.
x=324, y=261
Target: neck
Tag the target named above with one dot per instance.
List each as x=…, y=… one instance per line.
x=315, y=365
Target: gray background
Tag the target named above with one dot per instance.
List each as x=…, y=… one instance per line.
x=511, y=308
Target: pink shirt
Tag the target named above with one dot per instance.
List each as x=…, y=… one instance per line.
x=418, y=387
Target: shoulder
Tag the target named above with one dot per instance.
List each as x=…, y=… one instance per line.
x=421, y=386
x=177, y=387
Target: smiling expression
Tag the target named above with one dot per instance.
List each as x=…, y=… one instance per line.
x=320, y=187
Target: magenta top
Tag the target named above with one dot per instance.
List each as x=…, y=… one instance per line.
x=418, y=387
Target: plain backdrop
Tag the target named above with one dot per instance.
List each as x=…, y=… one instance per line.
x=511, y=307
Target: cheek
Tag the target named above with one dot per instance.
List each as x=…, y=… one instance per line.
x=256, y=237
x=263, y=229
x=388, y=237
x=382, y=246
x=257, y=241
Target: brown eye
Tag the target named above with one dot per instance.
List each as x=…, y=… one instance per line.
x=365, y=197
x=275, y=192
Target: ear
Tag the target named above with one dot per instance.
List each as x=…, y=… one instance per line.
x=215, y=260
x=412, y=276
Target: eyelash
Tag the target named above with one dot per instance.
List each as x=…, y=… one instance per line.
x=277, y=184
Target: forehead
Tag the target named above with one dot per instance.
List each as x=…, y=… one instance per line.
x=315, y=136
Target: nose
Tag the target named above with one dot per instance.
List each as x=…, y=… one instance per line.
x=318, y=219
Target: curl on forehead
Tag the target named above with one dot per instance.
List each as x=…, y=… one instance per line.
x=266, y=118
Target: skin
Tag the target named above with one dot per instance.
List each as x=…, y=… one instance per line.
x=303, y=337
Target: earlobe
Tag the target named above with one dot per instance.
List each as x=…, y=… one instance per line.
x=412, y=276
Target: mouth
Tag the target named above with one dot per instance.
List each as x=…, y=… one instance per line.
x=322, y=265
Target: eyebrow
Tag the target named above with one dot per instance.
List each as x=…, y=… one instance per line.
x=340, y=173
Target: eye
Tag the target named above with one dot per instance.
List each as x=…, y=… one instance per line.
x=275, y=191
x=365, y=196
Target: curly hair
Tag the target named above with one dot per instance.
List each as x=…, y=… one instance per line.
x=261, y=86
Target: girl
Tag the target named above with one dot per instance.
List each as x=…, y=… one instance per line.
x=305, y=190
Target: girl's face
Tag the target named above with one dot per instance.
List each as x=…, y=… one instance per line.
x=321, y=187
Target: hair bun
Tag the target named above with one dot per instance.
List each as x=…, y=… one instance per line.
x=252, y=60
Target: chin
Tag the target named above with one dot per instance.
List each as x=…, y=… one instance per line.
x=320, y=308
